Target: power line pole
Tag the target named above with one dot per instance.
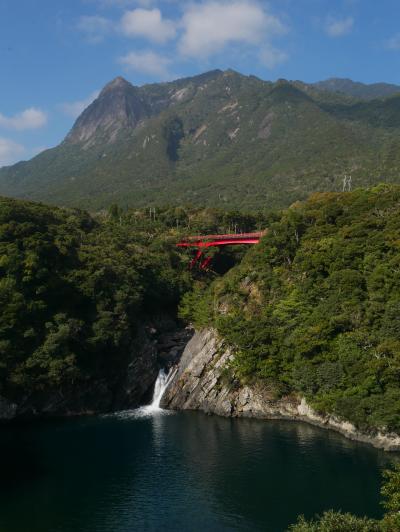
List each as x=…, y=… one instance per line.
x=152, y=212
x=347, y=183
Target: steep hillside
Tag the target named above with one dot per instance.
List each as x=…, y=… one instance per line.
x=76, y=295
x=79, y=295
x=313, y=310
x=219, y=139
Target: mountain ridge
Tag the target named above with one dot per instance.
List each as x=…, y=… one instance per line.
x=357, y=89
x=220, y=138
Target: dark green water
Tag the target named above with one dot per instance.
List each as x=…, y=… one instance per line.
x=179, y=472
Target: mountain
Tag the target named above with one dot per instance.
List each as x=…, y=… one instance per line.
x=119, y=107
x=356, y=89
x=218, y=139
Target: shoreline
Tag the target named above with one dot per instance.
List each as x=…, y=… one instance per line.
x=198, y=385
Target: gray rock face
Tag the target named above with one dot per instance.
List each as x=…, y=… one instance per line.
x=119, y=107
x=140, y=374
x=122, y=107
x=154, y=349
x=204, y=381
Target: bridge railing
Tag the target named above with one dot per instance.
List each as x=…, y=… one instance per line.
x=202, y=242
x=232, y=236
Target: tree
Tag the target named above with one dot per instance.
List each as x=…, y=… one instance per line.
x=391, y=493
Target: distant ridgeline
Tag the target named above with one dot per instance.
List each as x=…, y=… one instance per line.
x=218, y=139
x=314, y=309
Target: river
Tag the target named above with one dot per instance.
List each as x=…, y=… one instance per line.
x=152, y=470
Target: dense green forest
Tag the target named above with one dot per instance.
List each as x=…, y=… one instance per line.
x=314, y=309
x=74, y=288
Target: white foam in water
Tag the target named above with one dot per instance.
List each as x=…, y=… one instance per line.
x=163, y=379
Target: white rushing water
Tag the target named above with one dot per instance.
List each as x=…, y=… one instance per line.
x=163, y=379
x=161, y=384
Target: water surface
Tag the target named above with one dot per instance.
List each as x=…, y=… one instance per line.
x=179, y=472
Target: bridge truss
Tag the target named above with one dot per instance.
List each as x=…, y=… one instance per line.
x=202, y=242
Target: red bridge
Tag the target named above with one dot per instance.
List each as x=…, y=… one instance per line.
x=201, y=242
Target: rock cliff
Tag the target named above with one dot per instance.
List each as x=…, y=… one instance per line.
x=203, y=381
x=119, y=107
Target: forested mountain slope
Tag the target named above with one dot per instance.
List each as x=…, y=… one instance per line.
x=314, y=309
x=220, y=139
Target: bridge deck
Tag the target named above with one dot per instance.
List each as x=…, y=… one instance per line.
x=206, y=241
x=220, y=240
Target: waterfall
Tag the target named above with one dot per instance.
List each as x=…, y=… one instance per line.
x=163, y=379
x=159, y=389
x=161, y=384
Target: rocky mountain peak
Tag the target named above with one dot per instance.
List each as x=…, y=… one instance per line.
x=118, y=107
x=118, y=83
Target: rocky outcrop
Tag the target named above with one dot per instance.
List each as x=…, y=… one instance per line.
x=204, y=382
x=156, y=349
x=118, y=107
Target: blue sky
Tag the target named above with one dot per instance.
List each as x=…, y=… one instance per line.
x=55, y=55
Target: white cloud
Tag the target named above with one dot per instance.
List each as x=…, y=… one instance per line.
x=271, y=57
x=339, y=27
x=74, y=109
x=148, y=23
x=394, y=42
x=31, y=118
x=10, y=151
x=147, y=62
x=205, y=28
x=211, y=25
x=95, y=27
x=123, y=3
x=139, y=22
x=145, y=3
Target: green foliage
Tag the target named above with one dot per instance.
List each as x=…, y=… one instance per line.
x=73, y=290
x=314, y=308
x=115, y=212
x=391, y=493
x=336, y=522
